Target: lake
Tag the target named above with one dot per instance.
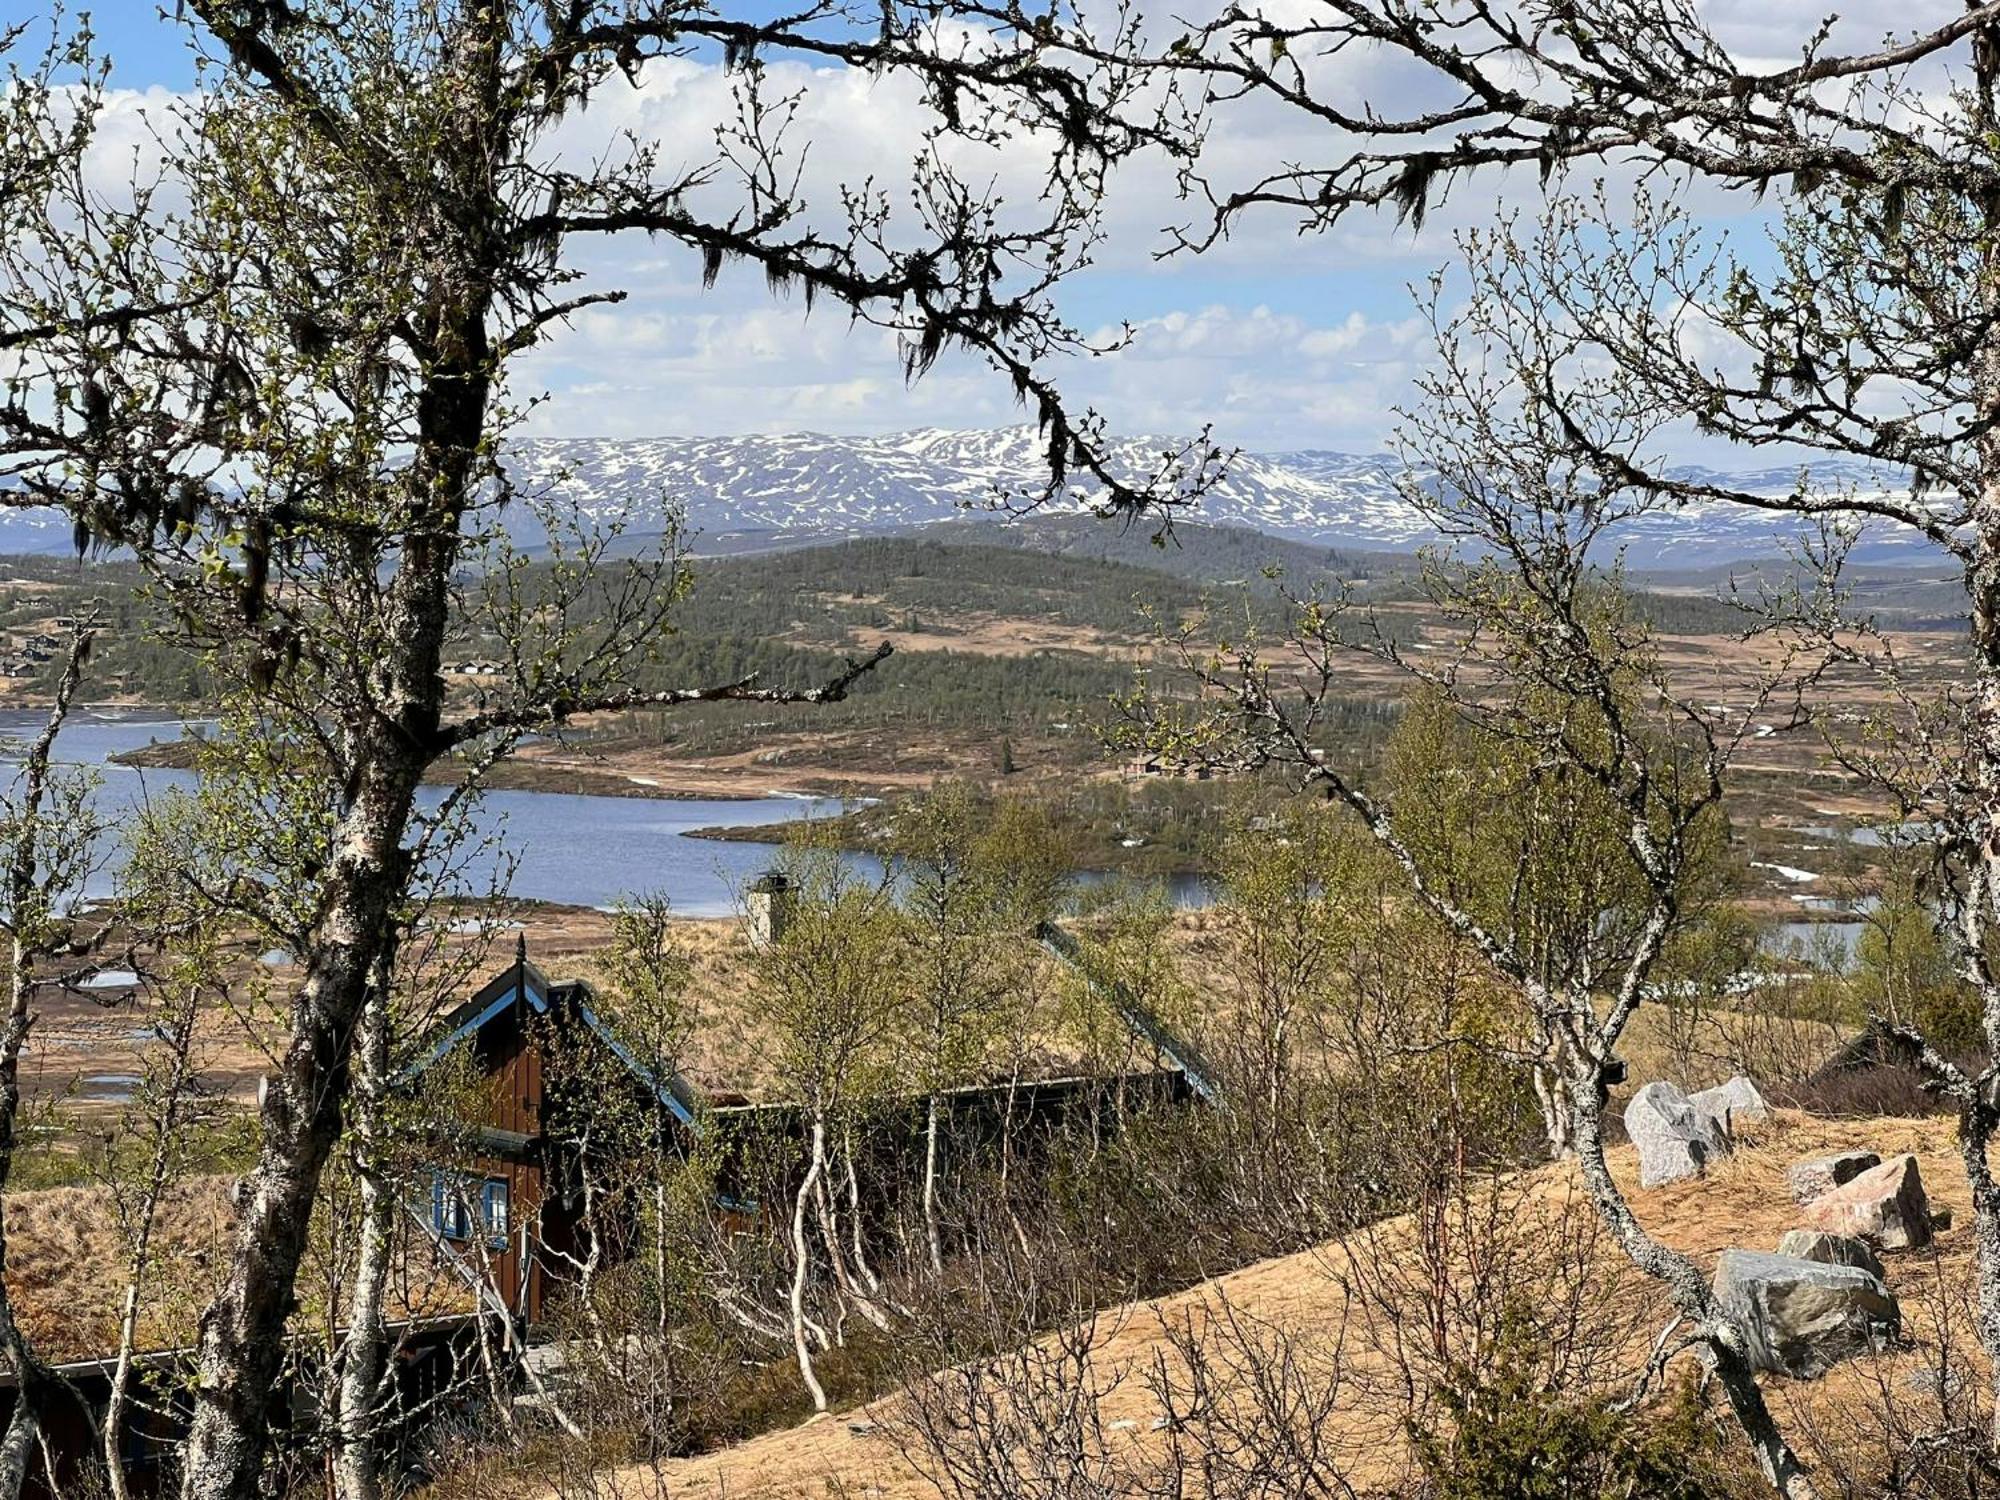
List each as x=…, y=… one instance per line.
x=584, y=851
x=581, y=851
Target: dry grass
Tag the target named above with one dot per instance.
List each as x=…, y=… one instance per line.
x=66, y=1262
x=733, y=1053
x=67, y=1259
x=1744, y=1203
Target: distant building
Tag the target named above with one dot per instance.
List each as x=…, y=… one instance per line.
x=1151, y=765
x=768, y=905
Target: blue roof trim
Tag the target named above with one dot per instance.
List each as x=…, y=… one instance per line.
x=680, y=1097
x=505, y=999
x=669, y=1093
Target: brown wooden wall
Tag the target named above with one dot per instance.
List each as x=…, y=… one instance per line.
x=511, y=1060
x=513, y=1066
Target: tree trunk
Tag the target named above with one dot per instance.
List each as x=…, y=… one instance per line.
x=118, y=1403
x=853, y=1295
x=856, y=1228
x=388, y=747
x=1550, y=1094
x=1724, y=1349
x=1975, y=1141
x=932, y=1240
x=24, y=1426
x=23, y=893
x=1007, y=1159
x=1976, y=1116
x=241, y=1347
x=801, y=1263
x=17, y=1445
x=243, y=1331
x=357, y=1455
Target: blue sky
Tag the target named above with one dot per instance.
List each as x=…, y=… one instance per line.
x=1276, y=341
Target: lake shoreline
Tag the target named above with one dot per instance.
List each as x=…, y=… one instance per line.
x=508, y=775
x=1155, y=864
x=540, y=832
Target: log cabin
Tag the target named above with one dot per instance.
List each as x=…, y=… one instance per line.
x=510, y=1211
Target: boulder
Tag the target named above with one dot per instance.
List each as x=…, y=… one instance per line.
x=1884, y=1205
x=1802, y=1317
x=1731, y=1105
x=1830, y=1250
x=1822, y=1174
x=1675, y=1140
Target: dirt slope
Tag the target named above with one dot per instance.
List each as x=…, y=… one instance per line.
x=1744, y=1203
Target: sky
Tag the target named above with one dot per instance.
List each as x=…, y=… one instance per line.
x=1275, y=341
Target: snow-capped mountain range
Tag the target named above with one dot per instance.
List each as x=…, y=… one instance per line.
x=805, y=485
x=794, y=489
x=797, y=488
x=813, y=487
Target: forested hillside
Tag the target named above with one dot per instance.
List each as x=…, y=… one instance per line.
x=1009, y=649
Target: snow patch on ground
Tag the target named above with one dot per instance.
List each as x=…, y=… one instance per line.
x=1785, y=872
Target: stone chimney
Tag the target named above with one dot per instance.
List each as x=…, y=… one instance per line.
x=769, y=902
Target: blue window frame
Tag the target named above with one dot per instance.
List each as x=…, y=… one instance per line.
x=452, y=1199
x=494, y=1211
x=449, y=1215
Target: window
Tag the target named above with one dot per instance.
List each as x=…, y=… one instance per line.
x=452, y=1200
x=493, y=1211
x=450, y=1215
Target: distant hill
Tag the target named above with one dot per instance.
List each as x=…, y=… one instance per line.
x=1200, y=553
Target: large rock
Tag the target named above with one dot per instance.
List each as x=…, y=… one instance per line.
x=1884, y=1205
x=1732, y=1105
x=1830, y=1250
x=1675, y=1139
x=1822, y=1174
x=1802, y=1317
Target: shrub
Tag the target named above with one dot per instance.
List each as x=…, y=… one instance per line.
x=1508, y=1435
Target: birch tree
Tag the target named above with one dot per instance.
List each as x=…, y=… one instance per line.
x=302, y=437
x=1604, y=775
x=50, y=847
x=161, y=1134
x=1860, y=344
x=828, y=993
x=964, y=963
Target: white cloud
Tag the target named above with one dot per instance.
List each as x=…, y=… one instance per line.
x=1264, y=378
x=1279, y=341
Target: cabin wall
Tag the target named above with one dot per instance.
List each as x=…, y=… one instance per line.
x=546, y=1238
x=514, y=1269
x=1032, y=1114
x=508, y=1055
x=70, y=1440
